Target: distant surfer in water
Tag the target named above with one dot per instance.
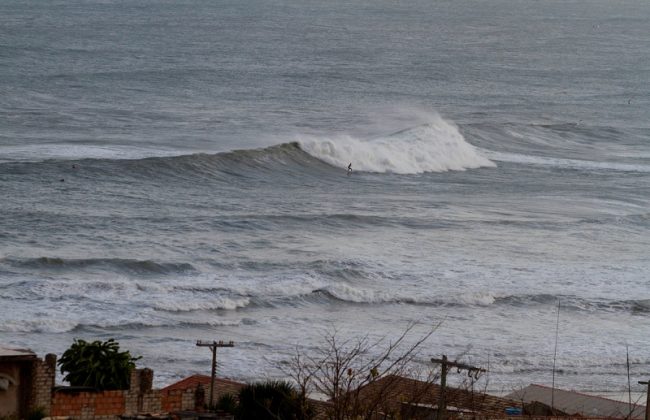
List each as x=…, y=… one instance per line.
x=349, y=168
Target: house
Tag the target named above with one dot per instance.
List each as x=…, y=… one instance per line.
x=25, y=383
x=222, y=387
x=397, y=396
x=15, y=387
x=194, y=382
x=577, y=404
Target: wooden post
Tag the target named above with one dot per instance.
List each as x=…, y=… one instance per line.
x=444, y=369
x=647, y=399
x=442, y=403
x=213, y=346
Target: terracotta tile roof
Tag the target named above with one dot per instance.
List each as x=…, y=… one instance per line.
x=221, y=386
x=16, y=354
x=391, y=393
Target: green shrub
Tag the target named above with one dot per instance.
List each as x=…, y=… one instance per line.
x=36, y=414
x=272, y=400
x=227, y=403
x=97, y=364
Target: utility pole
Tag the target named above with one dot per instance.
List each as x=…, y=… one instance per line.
x=647, y=399
x=213, y=346
x=557, y=329
x=472, y=371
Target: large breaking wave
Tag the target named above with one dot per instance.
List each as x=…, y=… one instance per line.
x=437, y=146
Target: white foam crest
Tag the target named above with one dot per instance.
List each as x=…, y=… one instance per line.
x=41, y=325
x=349, y=293
x=215, y=323
x=565, y=163
x=205, y=305
x=352, y=294
x=119, y=287
x=277, y=285
x=273, y=285
x=475, y=299
x=437, y=146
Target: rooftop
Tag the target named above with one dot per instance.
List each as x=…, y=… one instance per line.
x=573, y=402
x=222, y=386
x=389, y=392
x=16, y=354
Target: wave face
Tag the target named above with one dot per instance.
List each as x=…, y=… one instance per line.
x=437, y=146
x=116, y=264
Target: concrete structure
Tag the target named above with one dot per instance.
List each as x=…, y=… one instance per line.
x=25, y=382
x=15, y=381
x=577, y=404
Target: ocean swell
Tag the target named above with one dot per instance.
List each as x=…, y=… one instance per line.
x=117, y=264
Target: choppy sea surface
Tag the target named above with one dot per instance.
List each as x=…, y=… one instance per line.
x=175, y=170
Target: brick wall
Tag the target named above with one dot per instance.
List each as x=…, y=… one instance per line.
x=105, y=405
x=172, y=400
x=88, y=404
x=151, y=402
x=43, y=374
x=140, y=398
x=179, y=399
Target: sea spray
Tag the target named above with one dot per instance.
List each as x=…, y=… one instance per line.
x=437, y=146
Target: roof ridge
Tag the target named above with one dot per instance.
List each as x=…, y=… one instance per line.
x=198, y=378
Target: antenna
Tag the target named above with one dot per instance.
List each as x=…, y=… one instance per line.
x=557, y=329
x=629, y=386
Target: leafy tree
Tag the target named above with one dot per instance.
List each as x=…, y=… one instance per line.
x=342, y=370
x=271, y=400
x=97, y=364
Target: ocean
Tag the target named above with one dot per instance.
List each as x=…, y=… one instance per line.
x=176, y=170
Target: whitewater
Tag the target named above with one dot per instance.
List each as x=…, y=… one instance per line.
x=435, y=147
x=177, y=171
